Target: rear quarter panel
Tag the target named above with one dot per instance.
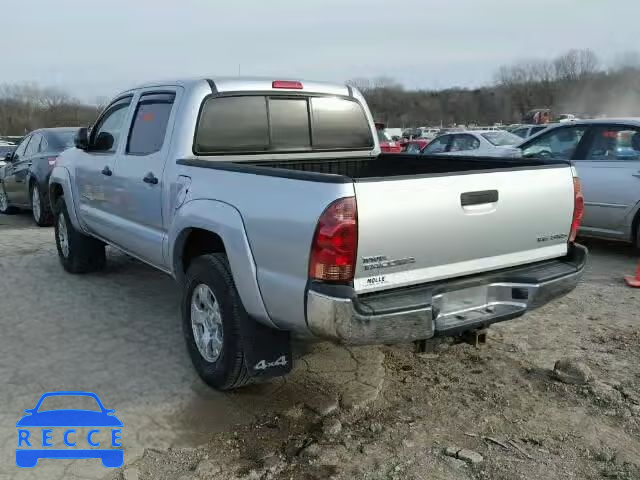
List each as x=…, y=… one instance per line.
x=279, y=216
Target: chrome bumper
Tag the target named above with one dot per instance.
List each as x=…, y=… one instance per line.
x=387, y=319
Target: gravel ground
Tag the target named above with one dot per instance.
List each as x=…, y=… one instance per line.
x=498, y=412
x=455, y=412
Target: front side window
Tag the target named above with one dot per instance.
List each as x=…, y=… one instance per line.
x=614, y=143
x=109, y=129
x=150, y=123
x=19, y=153
x=438, y=145
x=464, y=142
x=560, y=143
x=34, y=145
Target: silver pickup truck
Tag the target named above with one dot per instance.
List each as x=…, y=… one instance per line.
x=270, y=204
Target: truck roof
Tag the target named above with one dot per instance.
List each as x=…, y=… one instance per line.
x=230, y=84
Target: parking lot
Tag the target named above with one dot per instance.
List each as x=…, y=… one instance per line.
x=117, y=333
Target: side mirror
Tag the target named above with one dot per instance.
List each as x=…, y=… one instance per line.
x=81, y=139
x=103, y=142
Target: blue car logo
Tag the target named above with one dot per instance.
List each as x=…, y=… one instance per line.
x=32, y=447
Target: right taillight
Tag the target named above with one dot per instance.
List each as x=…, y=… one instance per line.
x=578, y=208
x=334, y=245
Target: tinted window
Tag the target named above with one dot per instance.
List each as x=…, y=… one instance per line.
x=230, y=124
x=559, y=143
x=33, y=146
x=413, y=148
x=244, y=124
x=339, y=124
x=21, y=149
x=63, y=139
x=535, y=130
x=464, y=142
x=438, y=145
x=614, y=143
x=44, y=145
x=150, y=123
x=289, y=120
x=521, y=132
x=108, y=130
x=502, y=139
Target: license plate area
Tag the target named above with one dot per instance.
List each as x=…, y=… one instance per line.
x=461, y=307
x=477, y=305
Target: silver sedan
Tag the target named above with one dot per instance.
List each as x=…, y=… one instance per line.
x=606, y=154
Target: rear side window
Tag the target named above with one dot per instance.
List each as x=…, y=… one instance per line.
x=150, y=123
x=254, y=124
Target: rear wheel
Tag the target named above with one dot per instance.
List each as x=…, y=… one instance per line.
x=4, y=202
x=211, y=316
x=40, y=207
x=78, y=253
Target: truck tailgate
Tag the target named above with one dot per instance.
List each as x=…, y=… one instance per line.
x=414, y=230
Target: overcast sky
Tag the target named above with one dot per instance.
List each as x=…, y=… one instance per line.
x=93, y=48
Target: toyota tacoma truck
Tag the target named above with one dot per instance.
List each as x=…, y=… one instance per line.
x=271, y=205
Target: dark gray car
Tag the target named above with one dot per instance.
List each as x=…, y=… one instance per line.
x=606, y=154
x=24, y=179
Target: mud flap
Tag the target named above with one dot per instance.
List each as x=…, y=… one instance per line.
x=267, y=351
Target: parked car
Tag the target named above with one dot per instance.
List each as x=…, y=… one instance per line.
x=477, y=143
x=526, y=131
x=24, y=180
x=387, y=144
x=271, y=205
x=6, y=148
x=606, y=154
x=416, y=145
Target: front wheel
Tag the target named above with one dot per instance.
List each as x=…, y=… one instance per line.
x=211, y=317
x=78, y=253
x=4, y=201
x=40, y=207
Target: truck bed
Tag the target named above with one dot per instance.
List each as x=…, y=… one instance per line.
x=426, y=218
x=401, y=165
x=341, y=170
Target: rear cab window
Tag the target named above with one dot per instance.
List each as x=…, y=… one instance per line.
x=281, y=123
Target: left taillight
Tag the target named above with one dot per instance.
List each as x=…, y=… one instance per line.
x=578, y=207
x=52, y=161
x=335, y=242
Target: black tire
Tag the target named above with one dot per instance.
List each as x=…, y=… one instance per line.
x=228, y=371
x=5, y=209
x=85, y=254
x=45, y=218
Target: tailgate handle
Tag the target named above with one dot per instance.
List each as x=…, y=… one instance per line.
x=477, y=198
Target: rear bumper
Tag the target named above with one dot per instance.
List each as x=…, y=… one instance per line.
x=337, y=314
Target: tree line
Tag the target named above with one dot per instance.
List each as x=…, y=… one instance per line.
x=26, y=107
x=575, y=82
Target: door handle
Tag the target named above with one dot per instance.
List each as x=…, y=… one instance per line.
x=478, y=198
x=150, y=178
x=107, y=171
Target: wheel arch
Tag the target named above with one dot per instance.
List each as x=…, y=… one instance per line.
x=210, y=226
x=60, y=186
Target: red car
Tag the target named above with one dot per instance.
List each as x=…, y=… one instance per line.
x=387, y=145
